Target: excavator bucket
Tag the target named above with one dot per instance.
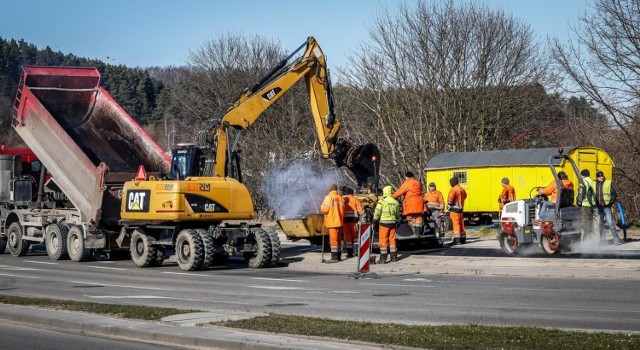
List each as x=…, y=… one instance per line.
x=362, y=160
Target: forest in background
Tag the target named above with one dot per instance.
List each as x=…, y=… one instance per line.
x=430, y=79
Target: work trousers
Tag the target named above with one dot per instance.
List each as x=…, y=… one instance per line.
x=387, y=239
x=435, y=216
x=350, y=234
x=457, y=220
x=586, y=223
x=605, y=213
x=414, y=219
x=334, y=238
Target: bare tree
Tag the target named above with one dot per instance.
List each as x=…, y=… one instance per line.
x=602, y=60
x=445, y=77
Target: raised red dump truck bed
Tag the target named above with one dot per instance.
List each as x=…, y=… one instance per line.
x=82, y=136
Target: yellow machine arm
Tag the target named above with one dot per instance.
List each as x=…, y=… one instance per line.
x=311, y=66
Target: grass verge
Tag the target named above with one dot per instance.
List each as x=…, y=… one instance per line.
x=439, y=337
x=125, y=311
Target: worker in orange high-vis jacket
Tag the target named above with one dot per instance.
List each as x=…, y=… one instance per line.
x=508, y=193
x=434, y=202
x=385, y=216
x=455, y=205
x=352, y=212
x=412, y=204
x=333, y=210
x=552, y=190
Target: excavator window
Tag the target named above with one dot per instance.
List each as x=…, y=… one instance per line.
x=186, y=161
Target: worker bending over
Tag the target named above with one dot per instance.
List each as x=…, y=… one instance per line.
x=412, y=204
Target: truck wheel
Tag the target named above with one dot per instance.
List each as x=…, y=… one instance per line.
x=17, y=245
x=207, y=245
x=56, y=241
x=143, y=254
x=75, y=245
x=189, y=250
x=261, y=256
x=550, y=242
x=508, y=243
x=3, y=244
x=275, y=247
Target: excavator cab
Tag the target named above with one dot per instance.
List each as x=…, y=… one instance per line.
x=187, y=161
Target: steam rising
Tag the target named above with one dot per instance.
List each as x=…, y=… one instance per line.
x=297, y=189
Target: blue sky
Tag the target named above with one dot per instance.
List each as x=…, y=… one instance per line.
x=162, y=32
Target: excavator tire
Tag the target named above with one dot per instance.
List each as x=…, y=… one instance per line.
x=261, y=257
x=275, y=247
x=143, y=254
x=189, y=250
x=207, y=243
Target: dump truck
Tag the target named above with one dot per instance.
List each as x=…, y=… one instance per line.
x=87, y=147
x=480, y=173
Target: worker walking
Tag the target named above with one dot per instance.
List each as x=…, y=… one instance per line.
x=508, y=193
x=434, y=201
x=412, y=204
x=455, y=205
x=586, y=200
x=352, y=212
x=385, y=215
x=333, y=210
x=605, y=197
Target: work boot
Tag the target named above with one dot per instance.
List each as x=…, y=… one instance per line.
x=349, y=253
x=339, y=256
x=455, y=241
x=394, y=257
x=383, y=259
x=334, y=258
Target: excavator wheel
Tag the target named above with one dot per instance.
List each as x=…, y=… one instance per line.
x=207, y=244
x=508, y=243
x=189, y=250
x=261, y=256
x=275, y=247
x=143, y=253
x=550, y=242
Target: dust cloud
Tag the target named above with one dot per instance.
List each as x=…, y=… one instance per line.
x=297, y=189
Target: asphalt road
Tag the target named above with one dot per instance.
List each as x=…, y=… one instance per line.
x=428, y=287
x=17, y=337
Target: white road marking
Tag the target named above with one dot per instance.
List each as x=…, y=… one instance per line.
x=277, y=279
x=544, y=289
x=108, y=268
x=344, y=292
x=184, y=273
x=128, y=297
x=120, y=285
x=276, y=288
x=16, y=268
x=20, y=276
x=397, y=285
x=41, y=262
x=417, y=279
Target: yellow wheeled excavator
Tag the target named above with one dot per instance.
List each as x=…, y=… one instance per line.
x=187, y=209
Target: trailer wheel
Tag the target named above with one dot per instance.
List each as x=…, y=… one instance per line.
x=261, y=256
x=56, y=241
x=550, y=242
x=75, y=245
x=275, y=247
x=508, y=243
x=189, y=250
x=143, y=253
x=207, y=245
x=17, y=245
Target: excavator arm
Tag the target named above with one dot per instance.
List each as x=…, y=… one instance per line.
x=219, y=153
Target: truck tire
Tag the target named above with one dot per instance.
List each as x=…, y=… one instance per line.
x=275, y=247
x=56, y=241
x=17, y=245
x=75, y=245
x=189, y=250
x=207, y=245
x=143, y=253
x=261, y=257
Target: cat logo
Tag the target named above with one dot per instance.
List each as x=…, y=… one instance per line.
x=269, y=95
x=138, y=200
